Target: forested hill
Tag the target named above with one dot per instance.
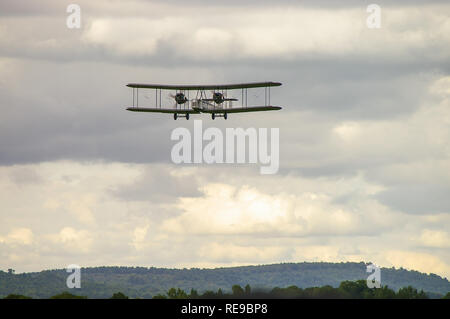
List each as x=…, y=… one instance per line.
x=102, y=282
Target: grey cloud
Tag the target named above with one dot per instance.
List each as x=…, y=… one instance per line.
x=79, y=111
x=21, y=176
x=46, y=7
x=157, y=184
x=417, y=198
x=68, y=102
x=27, y=8
x=63, y=98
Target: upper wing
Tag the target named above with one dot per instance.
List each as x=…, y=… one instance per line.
x=204, y=87
x=161, y=110
x=242, y=109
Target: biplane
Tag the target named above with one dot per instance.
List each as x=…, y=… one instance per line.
x=218, y=104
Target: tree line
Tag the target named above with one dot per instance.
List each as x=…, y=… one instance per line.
x=346, y=290
x=102, y=282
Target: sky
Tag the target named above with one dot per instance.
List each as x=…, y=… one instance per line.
x=364, y=135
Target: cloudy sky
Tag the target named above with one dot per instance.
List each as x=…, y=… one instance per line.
x=364, y=135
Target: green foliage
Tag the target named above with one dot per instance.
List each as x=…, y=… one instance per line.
x=141, y=282
x=347, y=289
x=384, y=293
x=237, y=291
x=355, y=289
x=119, y=295
x=209, y=295
x=326, y=292
x=67, y=295
x=176, y=294
x=248, y=289
x=12, y=296
x=290, y=292
x=411, y=293
x=194, y=294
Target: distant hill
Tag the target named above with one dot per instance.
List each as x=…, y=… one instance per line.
x=102, y=282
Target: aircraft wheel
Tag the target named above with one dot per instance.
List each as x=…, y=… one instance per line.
x=174, y=116
x=213, y=116
x=225, y=116
x=187, y=116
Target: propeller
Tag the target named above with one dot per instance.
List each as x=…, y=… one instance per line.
x=180, y=98
x=224, y=95
x=173, y=96
x=226, y=102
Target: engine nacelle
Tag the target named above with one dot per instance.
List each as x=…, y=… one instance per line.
x=218, y=97
x=180, y=98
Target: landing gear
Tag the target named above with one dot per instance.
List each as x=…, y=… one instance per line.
x=214, y=115
x=175, y=116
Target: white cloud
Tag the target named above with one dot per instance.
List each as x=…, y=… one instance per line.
x=348, y=131
x=202, y=33
x=139, y=237
x=229, y=252
x=21, y=236
x=285, y=219
x=73, y=240
x=245, y=210
x=433, y=238
x=364, y=133
x=424, y=262
x=296, y=30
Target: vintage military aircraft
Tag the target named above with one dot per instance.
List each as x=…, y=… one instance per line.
x=218, y=105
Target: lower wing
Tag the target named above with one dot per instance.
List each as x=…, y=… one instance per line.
x=241, y=109
x=225, y=99
x=161, y=110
